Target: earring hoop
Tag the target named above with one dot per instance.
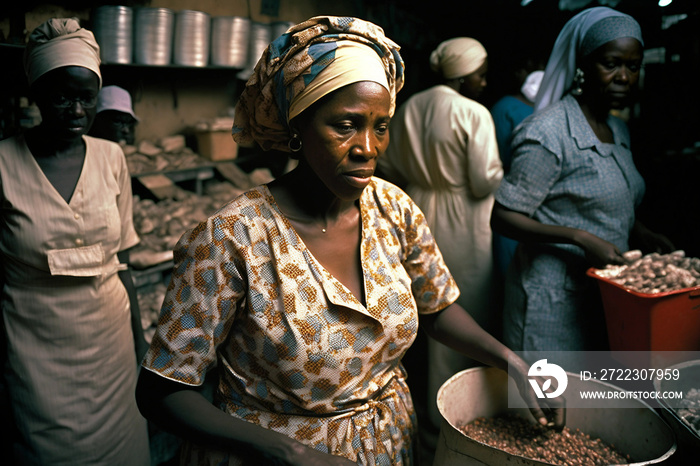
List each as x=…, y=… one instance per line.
x=294, y=143
x=578, y=82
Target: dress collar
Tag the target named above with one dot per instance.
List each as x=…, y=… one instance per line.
x=582, y=132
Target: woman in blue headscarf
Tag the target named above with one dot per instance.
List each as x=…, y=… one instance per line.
x=573, y=188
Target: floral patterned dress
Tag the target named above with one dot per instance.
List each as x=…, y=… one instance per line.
x=295, y=350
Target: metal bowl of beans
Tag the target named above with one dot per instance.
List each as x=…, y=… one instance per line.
x=481, y=394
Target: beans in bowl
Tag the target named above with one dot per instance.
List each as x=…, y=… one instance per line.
x=518, y=436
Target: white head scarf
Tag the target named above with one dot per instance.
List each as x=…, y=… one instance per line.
x=458, y=57
x=532, y=85
x=580, y=36
x=60, y=42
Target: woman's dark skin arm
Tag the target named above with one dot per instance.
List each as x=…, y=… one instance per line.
x=649, y=241
x=522, y=228
x=454, y=327
x=183, y=411
x=125, y=276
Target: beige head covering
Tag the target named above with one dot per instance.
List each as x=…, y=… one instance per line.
x=60, y=42
x=458, y=57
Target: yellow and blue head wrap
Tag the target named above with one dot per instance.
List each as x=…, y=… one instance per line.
x=310, y=60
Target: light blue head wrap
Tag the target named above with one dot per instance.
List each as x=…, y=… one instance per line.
x=580, y=36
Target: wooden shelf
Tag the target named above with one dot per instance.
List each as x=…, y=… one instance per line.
x=171, y=66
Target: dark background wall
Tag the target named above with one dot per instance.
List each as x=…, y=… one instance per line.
x=665, y=125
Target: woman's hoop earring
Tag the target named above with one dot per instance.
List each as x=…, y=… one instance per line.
x=578, y=82
x=294, y=143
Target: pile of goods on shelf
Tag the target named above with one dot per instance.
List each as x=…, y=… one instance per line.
x=150, y=303
x=167, y=154
x=518, y=436
x=160, y=224
x=654, y=273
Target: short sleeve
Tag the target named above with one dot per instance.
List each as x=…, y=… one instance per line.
x=432, y=284
x=205, y=291
x=125, y=204
x=533, y=172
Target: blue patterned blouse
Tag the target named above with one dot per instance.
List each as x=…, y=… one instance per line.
x=563, y=175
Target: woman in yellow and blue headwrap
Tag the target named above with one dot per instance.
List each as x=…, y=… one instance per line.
x=65, y=227
x=304, y=294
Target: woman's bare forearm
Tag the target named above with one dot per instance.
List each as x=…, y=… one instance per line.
x=524, y=229
x=520, y=227
x=183, y=411
x=454, y=327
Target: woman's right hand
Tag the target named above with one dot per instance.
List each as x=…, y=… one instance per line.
x=185, y=412
x=305, y=456
x=522, y=228
x=550, y=412
x=599, y=252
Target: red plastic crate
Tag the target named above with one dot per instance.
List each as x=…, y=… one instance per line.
x=668, y=321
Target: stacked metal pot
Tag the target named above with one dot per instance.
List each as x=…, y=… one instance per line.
x=161, y=36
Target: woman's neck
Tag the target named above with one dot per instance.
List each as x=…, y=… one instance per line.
x=301, y=195
x=43, y=145
x=453, y=84
x=597, y=117
x=330, y=228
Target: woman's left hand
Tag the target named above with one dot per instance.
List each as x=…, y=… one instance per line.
x=454, y=327
x=649, y=241
x=549, y=412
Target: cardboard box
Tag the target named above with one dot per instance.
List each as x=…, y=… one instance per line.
x=216, y=145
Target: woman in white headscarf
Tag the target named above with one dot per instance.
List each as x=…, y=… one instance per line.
x=66, y=223
x=443, y=152
x=572, y=190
